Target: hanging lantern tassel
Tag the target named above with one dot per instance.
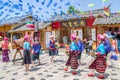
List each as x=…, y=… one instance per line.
x=91, y=14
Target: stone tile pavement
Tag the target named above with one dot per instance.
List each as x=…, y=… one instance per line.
x=54, y=71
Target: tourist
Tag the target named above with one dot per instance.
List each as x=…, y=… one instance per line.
x=36, y=51
x=113, y=50
x=80, y=47
x=86, y=45
x=5, y=50
x=99, y=64
x=56, y=46
x=52, y=49
x=72, y=60
x=26, y=53
x=90, y=43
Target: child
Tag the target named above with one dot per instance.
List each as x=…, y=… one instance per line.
x=26, y=53
x=72, y=60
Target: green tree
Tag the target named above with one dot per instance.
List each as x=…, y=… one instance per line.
x=72, y=10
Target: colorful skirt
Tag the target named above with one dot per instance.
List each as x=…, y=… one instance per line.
x=26, y=57
x=52, y=52
x=5, y=56
x=99, y=64
x=72, y=60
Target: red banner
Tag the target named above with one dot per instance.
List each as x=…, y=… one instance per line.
x=89, y=21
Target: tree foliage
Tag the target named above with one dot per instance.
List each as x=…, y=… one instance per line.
x=72, y=10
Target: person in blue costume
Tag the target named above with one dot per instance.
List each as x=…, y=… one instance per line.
x=72, y=60
x=80, y=47
x=99, y=64
x=52, y=48
x=36, y=47
x=26, y=53
x=107, y=45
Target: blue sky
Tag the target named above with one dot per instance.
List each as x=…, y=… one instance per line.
x=45, y=8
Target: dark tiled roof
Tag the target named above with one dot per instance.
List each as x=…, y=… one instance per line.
x=13, y=20
x=78, y=15
x=24, y=28
x=114, y=19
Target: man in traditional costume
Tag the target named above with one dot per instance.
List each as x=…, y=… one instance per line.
x=80, y=47
x=36, y=47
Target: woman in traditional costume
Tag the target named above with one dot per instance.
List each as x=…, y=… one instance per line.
x=5, y=50
x=72, y=60
x=26, y=53
x=99, y=64
x=52, y=48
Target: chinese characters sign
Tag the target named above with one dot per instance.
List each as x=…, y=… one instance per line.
x=73, y=23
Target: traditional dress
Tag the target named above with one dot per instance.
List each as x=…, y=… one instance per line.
x=80, y=48
x=107, y=46
x=26, y=53
x=36, y=51
x=5, y=55
x=99, y=63
x=72, y=60
x=52, y=48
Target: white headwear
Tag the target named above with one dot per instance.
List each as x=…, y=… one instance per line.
x=78, y=37
x=51, y=36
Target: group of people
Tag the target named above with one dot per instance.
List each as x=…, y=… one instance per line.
x=99, y=64
x=30, y=51
x=75, y=50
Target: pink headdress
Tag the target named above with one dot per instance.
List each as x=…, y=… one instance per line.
x=100, y=37
x=73, y=36
x=5, y=38
x=26, y=37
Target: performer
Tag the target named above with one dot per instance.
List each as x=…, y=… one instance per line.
x=26, y=53
x=118, y=41
x=99, y=64
x=52, y=49
x=36, y=51
x=72, y=60
x=107, y=45
x=5, y=50
x=80, y=47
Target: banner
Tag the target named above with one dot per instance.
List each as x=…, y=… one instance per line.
x=93, y=34
x=47, y=39
x=80, y=34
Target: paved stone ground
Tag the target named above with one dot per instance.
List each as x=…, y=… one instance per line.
x=54, y=71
